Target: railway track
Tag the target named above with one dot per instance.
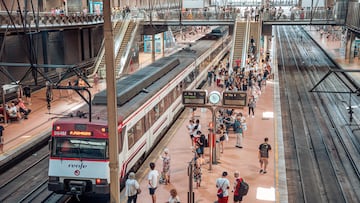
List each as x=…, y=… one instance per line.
x=18, y=181
x=322, y=157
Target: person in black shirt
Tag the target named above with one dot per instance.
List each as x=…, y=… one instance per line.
x=264, y=149
x=1, y=138
x=27, y=93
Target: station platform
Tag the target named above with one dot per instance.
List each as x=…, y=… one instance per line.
x=333, y=47
x=245, y=160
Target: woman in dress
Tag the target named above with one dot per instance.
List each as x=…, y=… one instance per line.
x=197, y=170
x=166, y=166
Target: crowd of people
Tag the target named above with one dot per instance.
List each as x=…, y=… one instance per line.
x=250, y=79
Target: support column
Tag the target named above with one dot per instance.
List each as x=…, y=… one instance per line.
x=163, y=44
x=111, y=105
x=153, y=48
x=348, y=50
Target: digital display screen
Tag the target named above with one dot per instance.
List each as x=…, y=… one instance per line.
x=194, y=97
x=235, y=98
x=79, y=133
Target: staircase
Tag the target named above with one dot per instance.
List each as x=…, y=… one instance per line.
x=239, y=41
x=100, y=61
x=123, y=46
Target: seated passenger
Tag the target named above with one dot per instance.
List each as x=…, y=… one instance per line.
x=22, y=108
x=12, y=110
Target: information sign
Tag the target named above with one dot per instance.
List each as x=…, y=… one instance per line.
x=234, y=98
x=194, y=97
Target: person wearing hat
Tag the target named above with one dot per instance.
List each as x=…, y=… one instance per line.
x=223, y=185
x=166, y=166
x=132, y=188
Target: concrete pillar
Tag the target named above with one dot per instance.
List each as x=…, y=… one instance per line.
x=348, y=50
x=153, y=48
x=163, y=44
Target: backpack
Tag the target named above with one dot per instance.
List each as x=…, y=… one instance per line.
x=204, y=140
x=264, y=150
x=244, y=188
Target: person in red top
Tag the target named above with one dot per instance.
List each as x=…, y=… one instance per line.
x=22, y=108
x=238, y=61
x=237, y=196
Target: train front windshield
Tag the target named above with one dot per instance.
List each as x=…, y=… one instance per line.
x=69, y=147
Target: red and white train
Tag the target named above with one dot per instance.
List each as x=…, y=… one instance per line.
x=149, y=101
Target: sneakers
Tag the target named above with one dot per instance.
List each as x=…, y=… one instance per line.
x=238, y=146
x=261, y=171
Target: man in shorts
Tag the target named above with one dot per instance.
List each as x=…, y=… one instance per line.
x=27, y=93
x=264, y=149
x=153, y=181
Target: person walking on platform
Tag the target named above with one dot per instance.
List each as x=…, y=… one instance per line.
x=197, y=170
x=223, y=185
x=153, y=181
x=190, y=128
x=174, y=198
x=1, y=138
x=237, y=197
x=209, y=77
x=252, y=105
x=264, y=149
x=132, y=188
x=27, y=93
x=166, y=166
x=238, y=131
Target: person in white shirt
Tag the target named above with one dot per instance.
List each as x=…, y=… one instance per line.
x=224, y=184
x=190, y=127
x=153, y=181
x=174, y=198
x=132, y=188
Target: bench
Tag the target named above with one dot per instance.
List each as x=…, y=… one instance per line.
x=9, y=118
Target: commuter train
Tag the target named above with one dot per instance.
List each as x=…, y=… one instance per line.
x=217, y=33
x=148, y=102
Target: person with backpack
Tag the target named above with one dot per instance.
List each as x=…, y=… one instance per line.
x=241, y=188
x=264, y=149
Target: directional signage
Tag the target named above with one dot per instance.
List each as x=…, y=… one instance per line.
x=194, y=97
x=235, y=99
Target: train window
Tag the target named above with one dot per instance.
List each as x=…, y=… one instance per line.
x=121, y=138
x=80, y=148
x=131, y=137
x=162, y=107
x=139, y=129
x=135, y=133
x=156, y=110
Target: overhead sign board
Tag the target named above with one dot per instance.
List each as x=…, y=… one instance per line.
x=193, y=3
x=235, y=98
x=194, y=97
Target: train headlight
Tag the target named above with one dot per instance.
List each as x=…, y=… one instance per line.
x=101, y=181
x=53, y=179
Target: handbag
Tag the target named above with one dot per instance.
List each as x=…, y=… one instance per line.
x=220, y=192
x=138, y=191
